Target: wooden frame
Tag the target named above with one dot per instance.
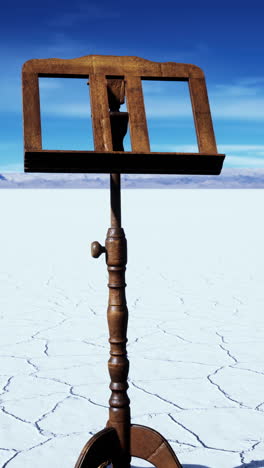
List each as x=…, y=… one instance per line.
x=140, y=160
x=109, y=78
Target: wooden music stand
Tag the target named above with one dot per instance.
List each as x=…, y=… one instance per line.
x=111, y=80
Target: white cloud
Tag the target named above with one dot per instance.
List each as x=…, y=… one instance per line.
x=49, y=83
x=244, y=161
x=10, y=145
x=12, y=151
x=238, y=108
x=242, y=100
x=68, y=110
x=242, y=87
x=239, y=147
x=234, y=148
x=246, y=151
x=174, y=148
x=237, y=155
x=16, y=167
x=243, y=155
x=251, y=80
x=234, y=90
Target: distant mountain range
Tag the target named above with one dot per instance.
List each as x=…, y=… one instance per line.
x=229, y=179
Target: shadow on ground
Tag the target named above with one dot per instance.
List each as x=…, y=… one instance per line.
x=252, y=464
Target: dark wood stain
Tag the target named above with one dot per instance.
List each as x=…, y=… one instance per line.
x=111, y=80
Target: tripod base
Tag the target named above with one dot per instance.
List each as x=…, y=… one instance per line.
x=103, y=448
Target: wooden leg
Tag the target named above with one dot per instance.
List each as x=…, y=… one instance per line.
x=146, y=443
x=103, y=447
x=151, y=446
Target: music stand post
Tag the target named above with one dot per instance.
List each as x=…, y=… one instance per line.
x=111, y=79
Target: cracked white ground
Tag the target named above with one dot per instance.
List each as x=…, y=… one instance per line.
x=196, y=323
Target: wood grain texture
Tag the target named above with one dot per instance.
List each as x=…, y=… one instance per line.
x=150, y=445
x=145, y=443
x=118, y=364
x=137, y=115
x=100, y=113
x=31, y=114
x=111, y=65
x=202, y=116
x=111, y=79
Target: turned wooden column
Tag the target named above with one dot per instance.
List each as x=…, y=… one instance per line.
x=117, y=315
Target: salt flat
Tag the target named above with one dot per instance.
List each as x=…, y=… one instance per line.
x=196, y=323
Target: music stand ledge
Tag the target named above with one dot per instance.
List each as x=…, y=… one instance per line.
x=112, y=80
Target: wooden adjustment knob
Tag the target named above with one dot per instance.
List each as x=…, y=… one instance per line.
x=97, y=249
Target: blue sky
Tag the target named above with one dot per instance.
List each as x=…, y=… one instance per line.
x=226, y=39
